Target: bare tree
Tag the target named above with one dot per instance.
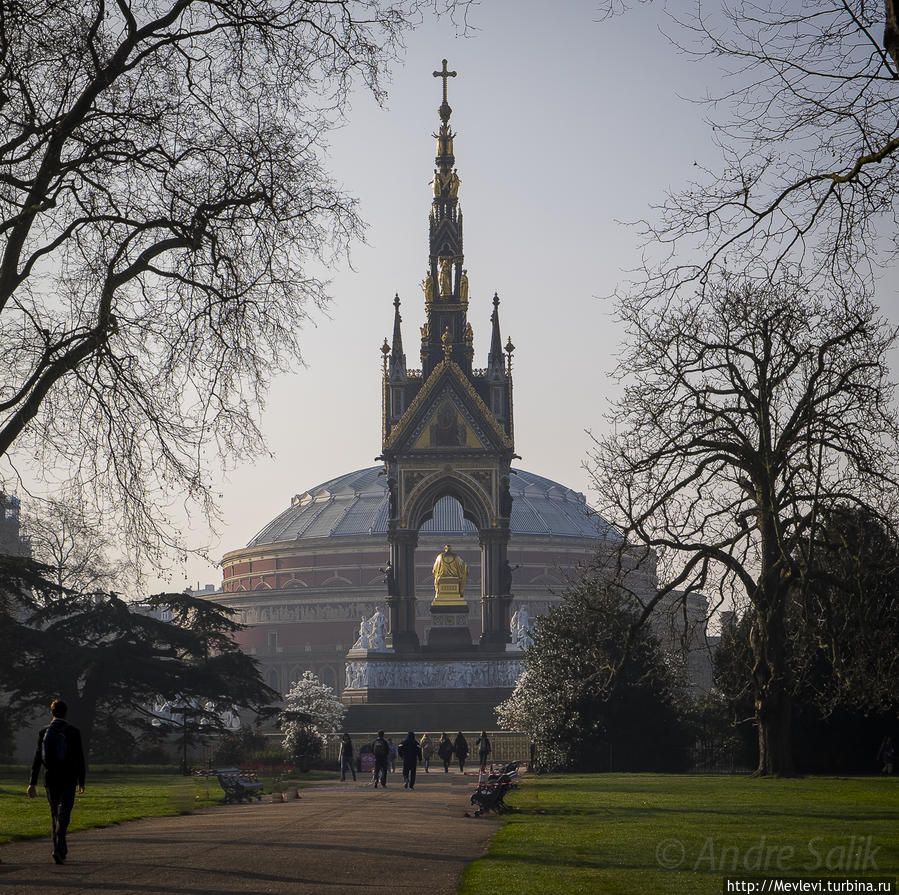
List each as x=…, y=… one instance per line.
x=746, y=413
x=807, y=122
x=76, y=551
x=163, y=208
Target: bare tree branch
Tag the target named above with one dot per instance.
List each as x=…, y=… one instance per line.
x=164, y=204
x=747, y=413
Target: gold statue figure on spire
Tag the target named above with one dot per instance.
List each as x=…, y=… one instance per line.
x=446, y=277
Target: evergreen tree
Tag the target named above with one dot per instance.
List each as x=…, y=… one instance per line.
x=113, y=660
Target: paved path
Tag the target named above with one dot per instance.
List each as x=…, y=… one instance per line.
x=338, y=838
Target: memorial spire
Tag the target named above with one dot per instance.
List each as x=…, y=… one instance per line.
x=446, y=281
x=397, y=357
x=495, y=357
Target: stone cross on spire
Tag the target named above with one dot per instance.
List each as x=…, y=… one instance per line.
x=445, y=109
x=444, y=74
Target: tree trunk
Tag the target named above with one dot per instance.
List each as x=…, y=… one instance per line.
x=773, y=704
x=774, y=720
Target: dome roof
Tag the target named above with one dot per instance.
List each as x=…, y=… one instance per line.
x=355, y=504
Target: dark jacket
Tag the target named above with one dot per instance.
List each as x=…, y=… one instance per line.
x=410, y=752
x=384, y=758
x=460, y=746
x=72, y=770
x=483, y=746
x=445, y=749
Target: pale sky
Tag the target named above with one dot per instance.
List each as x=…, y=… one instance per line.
x=566, y=126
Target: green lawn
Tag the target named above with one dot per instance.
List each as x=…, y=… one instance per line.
x=113, y=794
x=633, y=834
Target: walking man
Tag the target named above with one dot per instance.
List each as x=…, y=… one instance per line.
x=382, y=758
x=346, y=758
x=60, y=752
x=483, y=750
x=411, y=754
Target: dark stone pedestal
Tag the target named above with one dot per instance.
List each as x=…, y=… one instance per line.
x=449, y=626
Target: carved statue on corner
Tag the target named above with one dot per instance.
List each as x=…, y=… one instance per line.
x=521, y=628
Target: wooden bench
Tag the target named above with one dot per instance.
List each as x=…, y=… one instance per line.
x=239, y=786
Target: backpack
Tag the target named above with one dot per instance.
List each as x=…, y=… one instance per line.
x=54, y=748
x=381, y=749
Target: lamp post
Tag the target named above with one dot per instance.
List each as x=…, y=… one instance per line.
x=184, y=711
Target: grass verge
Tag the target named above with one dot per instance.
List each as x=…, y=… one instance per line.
x=114, y=794
x=632, y=834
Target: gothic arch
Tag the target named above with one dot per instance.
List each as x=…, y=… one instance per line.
x=474, y=502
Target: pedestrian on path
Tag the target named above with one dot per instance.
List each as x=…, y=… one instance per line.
x=460, y=747
x=60, y=753
x=445, y=751
x=381, y=750
x=392, y=746
x=346, y=757
x=427, y=750
x=483, y=750
x=410, y=752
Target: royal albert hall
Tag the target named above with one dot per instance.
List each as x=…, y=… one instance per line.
x=303, y=584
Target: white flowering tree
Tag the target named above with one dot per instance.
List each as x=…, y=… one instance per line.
x=312, y=712
x=517, y=711
x=596, y=684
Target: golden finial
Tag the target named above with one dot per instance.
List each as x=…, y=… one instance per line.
x=385, y=351
x=447, y=340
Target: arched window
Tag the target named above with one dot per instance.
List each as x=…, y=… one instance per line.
x=329, y=677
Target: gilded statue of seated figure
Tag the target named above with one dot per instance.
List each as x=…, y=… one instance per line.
x=450, y=575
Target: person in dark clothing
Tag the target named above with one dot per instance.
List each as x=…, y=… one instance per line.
x=427, y=750
x=445, y=751
x=483, y=749
x=410, y=752
x=381, y=750
x=345, y=757
x=60, y=752
x=886, y=755
x=460, y=747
